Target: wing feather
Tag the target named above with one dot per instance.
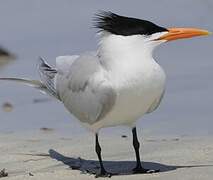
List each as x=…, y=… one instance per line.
x=85, y=89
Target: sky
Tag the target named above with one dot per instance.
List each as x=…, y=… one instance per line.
x=51, y=28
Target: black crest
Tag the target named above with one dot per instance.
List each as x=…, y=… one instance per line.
x=126, y=26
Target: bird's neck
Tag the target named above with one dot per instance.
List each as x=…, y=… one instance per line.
x=122, y=53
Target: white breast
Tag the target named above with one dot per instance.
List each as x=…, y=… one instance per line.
x=135, y=95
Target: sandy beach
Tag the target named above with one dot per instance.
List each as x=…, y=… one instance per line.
x=47, y=155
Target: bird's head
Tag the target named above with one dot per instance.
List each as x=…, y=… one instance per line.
x=137, y=30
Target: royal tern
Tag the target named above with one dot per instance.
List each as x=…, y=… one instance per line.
x=117, y=84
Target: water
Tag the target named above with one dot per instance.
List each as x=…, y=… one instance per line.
x=52, y=28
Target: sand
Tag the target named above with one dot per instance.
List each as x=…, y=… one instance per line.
x=46, y=155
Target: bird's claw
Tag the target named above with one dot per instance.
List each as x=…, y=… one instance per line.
x=109, y=175
x=103, y=174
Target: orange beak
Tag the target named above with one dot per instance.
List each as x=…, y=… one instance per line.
x=182, y=33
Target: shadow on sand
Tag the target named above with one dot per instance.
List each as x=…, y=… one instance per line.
x=115, y=167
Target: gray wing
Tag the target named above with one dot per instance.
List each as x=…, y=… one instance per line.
x=85, y=90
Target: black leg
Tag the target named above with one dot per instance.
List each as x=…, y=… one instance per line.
x=136, y=144
x=103, y=172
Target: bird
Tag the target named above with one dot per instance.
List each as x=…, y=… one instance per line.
x=116, y=84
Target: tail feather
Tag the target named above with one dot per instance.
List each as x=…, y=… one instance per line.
x=47, y=75
x=33, y=83
x=46, y=85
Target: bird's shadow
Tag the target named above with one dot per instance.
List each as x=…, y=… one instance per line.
x=115, y=167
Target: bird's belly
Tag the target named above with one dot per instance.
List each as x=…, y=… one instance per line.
x=134, y=99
